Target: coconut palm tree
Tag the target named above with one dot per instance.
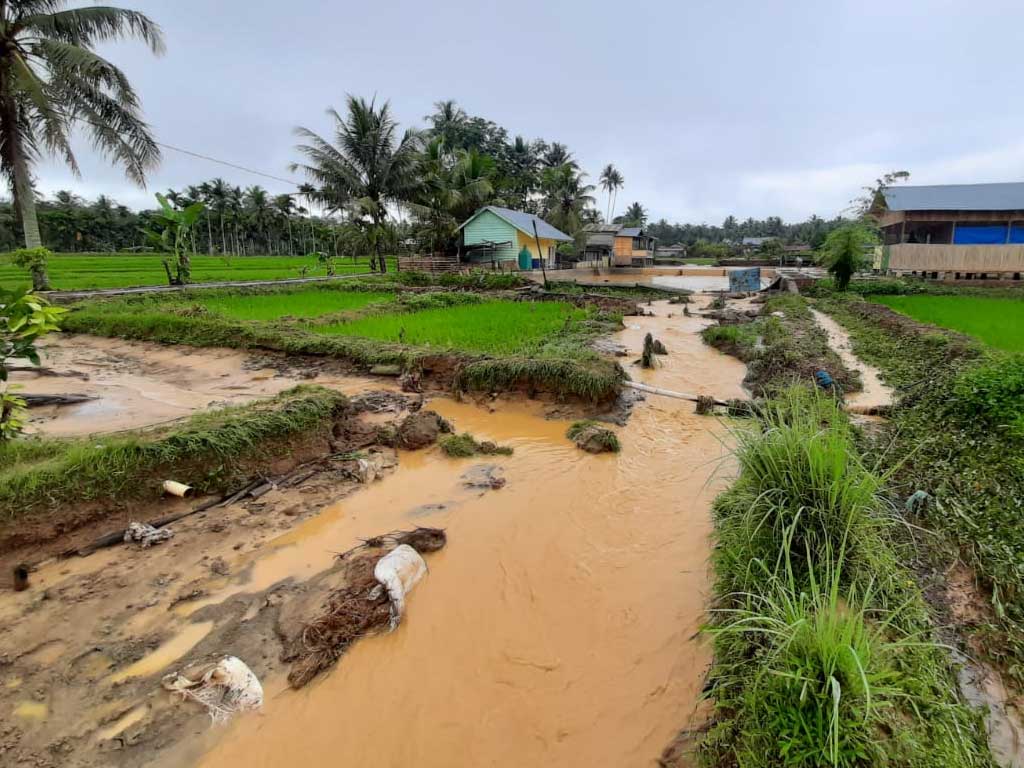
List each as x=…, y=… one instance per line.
x=447, y=122
x=611, y=181
x=566, y=197
x=284, y=207
x=368, y=167
x=220, y=195
x=558, y=154
x=635, y=215
x=257, y=202
x=51, y=79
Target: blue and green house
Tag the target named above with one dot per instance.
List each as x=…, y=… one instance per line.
x=495, y=234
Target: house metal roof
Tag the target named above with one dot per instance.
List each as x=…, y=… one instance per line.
x=956, y=197
x=523, y=222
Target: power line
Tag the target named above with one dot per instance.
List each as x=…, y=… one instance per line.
x=290, y=182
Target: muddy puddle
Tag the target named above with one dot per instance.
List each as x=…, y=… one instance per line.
x=556, y=628
x=138, y=384
x=875, y=392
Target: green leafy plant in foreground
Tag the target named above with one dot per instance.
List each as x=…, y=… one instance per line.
x=24, y=317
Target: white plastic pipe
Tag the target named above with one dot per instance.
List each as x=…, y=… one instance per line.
x=175, y=488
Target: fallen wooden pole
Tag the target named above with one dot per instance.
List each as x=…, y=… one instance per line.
x=35, y=401
x=670, y=393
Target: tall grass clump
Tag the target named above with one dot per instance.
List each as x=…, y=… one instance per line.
x=823, y=651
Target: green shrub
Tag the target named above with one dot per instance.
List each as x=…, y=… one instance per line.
x=465, y=445
x=993, y=393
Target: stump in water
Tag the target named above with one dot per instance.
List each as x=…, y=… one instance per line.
x=686, y=312
x=659, y=348
x=647, y=358
x=705, y=405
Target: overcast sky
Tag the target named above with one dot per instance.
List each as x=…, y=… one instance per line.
x=753, y=108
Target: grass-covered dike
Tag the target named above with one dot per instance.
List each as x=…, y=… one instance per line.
x=824, y=651
x=210, y=450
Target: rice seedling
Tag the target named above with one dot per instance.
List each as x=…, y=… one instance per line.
x=995, y=321
x=299, y=304
x=493, y=326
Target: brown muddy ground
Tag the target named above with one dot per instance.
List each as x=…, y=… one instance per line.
x=139, y=384
x=557, y=627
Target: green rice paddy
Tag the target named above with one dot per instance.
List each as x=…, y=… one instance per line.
x=997, y=322
x=308, y=303
x=496, y=326
x=117, y=270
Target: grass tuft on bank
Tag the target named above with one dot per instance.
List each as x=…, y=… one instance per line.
x=823, y=650
x=208, y=451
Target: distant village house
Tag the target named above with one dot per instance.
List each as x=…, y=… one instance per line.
x=619, y=245
x=503, y=236
x=953, y=231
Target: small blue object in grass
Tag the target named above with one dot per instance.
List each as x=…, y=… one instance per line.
x=823, y=380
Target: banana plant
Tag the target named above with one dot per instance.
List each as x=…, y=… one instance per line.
x=173, y=238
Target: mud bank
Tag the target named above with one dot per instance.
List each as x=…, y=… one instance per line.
x=556, y=628
x=138, y=384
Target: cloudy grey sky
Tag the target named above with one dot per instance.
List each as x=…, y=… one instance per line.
x=749, y=107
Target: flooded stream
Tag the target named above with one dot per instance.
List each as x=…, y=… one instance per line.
x=557, y=627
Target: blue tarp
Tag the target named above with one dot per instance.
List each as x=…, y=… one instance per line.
x=968, y=234
x=745, y=280
x=1017, y=233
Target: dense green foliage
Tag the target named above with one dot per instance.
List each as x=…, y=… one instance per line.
x=813, y=231
x=495, y=327
x=107, y=270
x=956, y=432
x=822, y=653
x=465, y=445
x=995, y=321
x=211, y=449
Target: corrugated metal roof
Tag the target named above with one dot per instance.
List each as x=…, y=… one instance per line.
x=630, y=232
x=956, y=197
x=523, y=222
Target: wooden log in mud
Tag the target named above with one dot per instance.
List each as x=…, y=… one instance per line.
x=39, y=401
x=669, y=393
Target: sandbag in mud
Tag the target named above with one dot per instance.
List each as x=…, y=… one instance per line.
x=229, y=687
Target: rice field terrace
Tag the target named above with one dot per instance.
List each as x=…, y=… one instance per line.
x=117, y=270
x=298, y=304
x=491, y=340
x=998, y=322
x=494, y=326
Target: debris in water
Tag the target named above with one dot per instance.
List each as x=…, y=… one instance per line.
x=421, y=429
x=227, y=688
x=146, y=534
x=593, y=438
x=372, y=601
x=705, y=405
x=484, y=476
x=647, y=357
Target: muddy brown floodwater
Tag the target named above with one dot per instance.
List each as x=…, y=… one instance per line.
x=557, y=627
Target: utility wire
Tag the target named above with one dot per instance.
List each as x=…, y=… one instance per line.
x=290, y=182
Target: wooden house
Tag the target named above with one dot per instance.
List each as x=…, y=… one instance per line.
x=494, y=234
x=952, y=231
x=619, y=245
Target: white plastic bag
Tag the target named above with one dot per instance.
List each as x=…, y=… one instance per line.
x=227, y=688
x=398, y=572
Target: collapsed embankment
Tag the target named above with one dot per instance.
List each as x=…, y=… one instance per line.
x=958, y=432
x=824, y=650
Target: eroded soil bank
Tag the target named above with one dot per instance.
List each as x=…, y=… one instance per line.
x=556, y=628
